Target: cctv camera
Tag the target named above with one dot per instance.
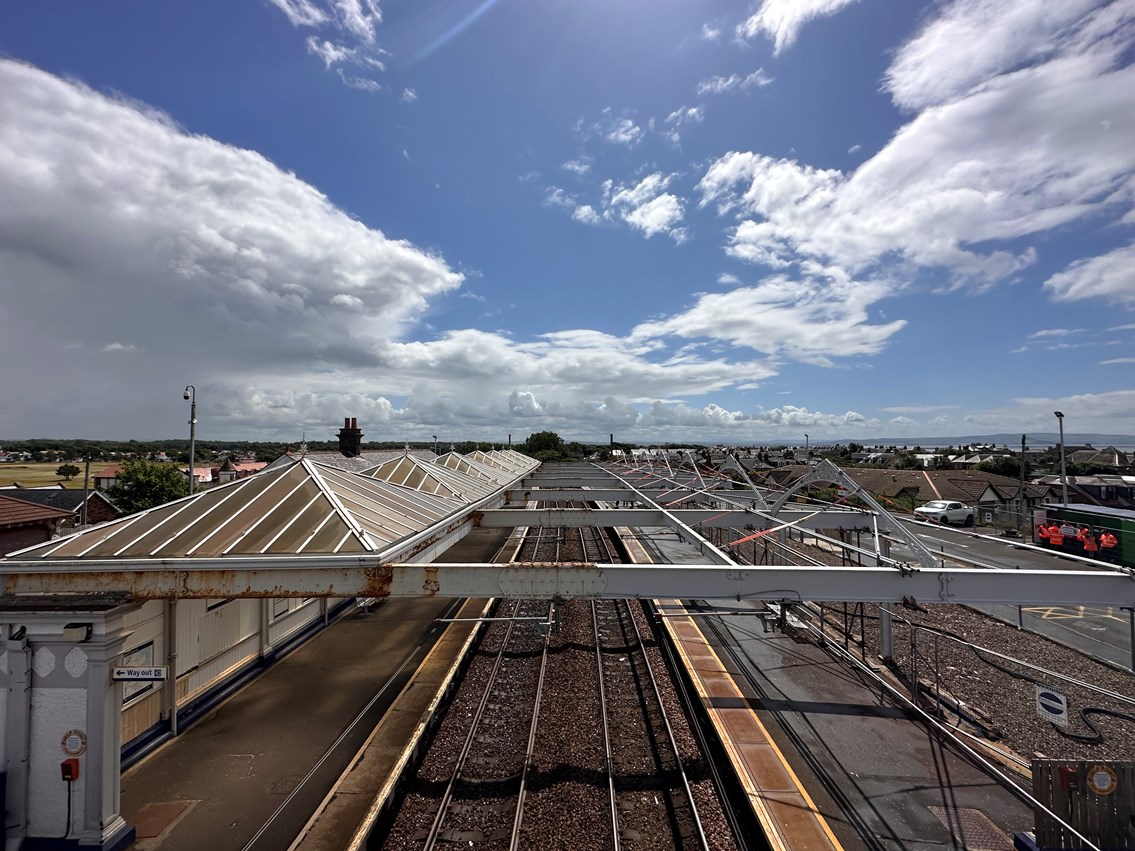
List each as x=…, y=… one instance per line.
x=185, y=395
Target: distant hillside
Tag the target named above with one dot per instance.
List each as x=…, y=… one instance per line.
x=1011, y=440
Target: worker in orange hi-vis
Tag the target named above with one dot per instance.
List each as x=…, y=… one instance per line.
x=1091, y=547
x=1107, y=540
x=1082, y=534
x=1042, y=532
x=1055, y=535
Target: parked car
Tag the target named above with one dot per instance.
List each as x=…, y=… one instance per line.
x=945, y=512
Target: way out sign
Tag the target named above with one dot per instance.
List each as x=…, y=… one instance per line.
x=138, y=674
x=1052, y=706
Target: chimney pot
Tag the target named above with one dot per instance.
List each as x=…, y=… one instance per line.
x=350, y=438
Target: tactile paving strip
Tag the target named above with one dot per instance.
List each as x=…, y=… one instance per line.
x=973, y=828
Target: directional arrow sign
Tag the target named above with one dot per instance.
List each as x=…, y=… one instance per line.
x=1051, y=705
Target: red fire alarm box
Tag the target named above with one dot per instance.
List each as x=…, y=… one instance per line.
x=70, y=769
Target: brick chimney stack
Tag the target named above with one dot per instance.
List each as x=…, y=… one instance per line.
x=350, y=438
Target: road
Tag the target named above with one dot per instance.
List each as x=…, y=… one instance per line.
x=1102, y=632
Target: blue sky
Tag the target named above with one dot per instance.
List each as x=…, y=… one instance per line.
x=715, y=221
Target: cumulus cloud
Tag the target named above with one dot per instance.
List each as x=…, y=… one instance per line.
x=644, y=205
x=153, y=229
x=611, y=128
x=782, y=20
x=1019, y=156
x=623, y=131
x=409, y=96
x=813, y=319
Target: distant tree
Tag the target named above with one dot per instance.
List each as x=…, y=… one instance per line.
x=67, y=471
x=145, y=484
x=906, y=461
x=544, y=446
x=1003, y=465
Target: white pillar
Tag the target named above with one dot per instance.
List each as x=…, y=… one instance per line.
x=75, y=712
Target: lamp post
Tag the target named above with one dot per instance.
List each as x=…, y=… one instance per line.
x=191, y=397
x=806, y=449
x=435, y=444
x=1021, y=491
x=1063, y=469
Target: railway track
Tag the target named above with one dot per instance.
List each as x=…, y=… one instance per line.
x=559, y=737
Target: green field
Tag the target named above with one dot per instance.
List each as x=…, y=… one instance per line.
x=38, y=475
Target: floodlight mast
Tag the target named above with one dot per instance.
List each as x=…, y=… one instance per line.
x=1063, y=469
x=190, y=396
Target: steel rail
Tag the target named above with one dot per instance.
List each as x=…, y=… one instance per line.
x=703, y=841
x=514, y=842
x=612, y=795
x=697, y=725
x=447, y=797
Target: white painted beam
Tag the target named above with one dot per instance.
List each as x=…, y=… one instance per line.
x=351, y=576
x=648, y=517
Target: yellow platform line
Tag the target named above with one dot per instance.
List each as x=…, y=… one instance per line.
x=790, y=818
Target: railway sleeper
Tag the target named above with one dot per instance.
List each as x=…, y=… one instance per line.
x=468, y=837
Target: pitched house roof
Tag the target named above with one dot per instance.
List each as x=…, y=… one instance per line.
x=19, y=512
x=66, y=500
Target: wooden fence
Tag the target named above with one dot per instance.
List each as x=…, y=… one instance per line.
x=1097, y=798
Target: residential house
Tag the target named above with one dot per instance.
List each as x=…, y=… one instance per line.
x=99, y=508
x=24, y=524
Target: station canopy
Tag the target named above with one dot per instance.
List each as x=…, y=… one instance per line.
x=306, y=508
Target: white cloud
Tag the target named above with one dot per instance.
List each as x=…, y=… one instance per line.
x=734, y=82
x=409, y=96
x=781, y=20
x=917, y=409
x=709, y=33
x=644, y=205
x=359, y=17
x=361, y=83
x=972, y=41
x=578, y=167
x=153, y=228
x=329, y=52
x=811, y=320
x=623, y=131
x=1117, y=360
x=854, y=149
x=726, y=278
x=1018, y=156
x=685, y=114
x=302, y=13
x=1110, y=276
x=120, y=347
x=554, y=196
x=658, y=215
x=1054, y=332
x=353, y=20
x=586, y=214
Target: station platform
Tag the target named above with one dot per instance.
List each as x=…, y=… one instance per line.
x=251, y=773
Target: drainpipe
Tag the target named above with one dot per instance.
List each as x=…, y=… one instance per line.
x=14, y=740
x=169, y=687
